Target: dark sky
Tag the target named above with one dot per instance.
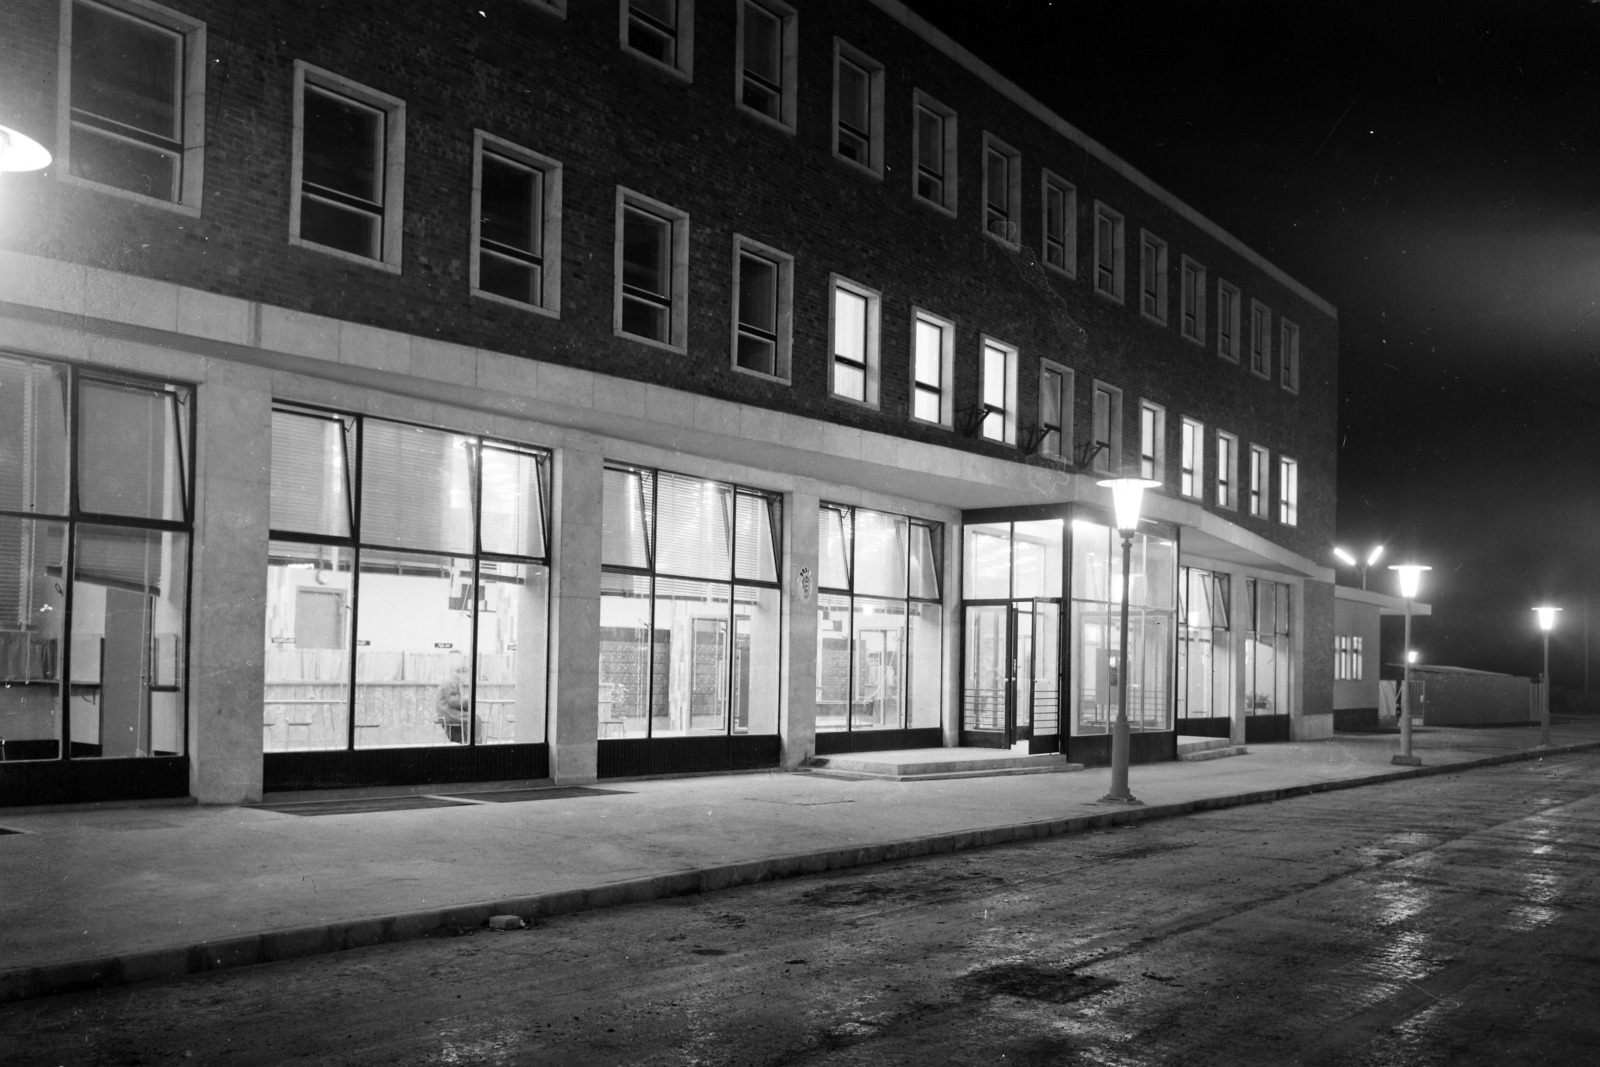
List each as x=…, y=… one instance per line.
x=1433, y=170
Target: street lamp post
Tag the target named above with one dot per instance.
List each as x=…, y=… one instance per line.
x=1350, y=561
x=1126, y=495
x=1547, y=622
x=1410, y=578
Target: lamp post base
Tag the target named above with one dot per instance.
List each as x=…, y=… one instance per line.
x=1407, y=761
x=1129, y=800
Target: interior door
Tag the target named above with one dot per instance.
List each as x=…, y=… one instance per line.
x=986, y=675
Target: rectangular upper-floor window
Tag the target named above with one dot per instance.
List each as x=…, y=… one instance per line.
x=768, y=46
x=1289, y=355
x=651, y=271
x=763, y=308
x=1260, y=339
x=516, y=225
x=1109, y=252
x=1152, y=441
x=661, y=31
x=348, y=170
x=1192, y=459
x=1227, y=470
x=857, y=108
x=1059, y=217
x=1356, y=660
x=1192, y=301
x=933, y=149
x=1055, y=409
x=1260, y=473
x=932, y=363
x=1002, y=191
x=1288, y=492
x=1106, y=444
x=853, y=370
x=998, y=392
x=1152, y=277
x=1228, y=342
x=131, y=101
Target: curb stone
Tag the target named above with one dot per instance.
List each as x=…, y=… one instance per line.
x=297, y=942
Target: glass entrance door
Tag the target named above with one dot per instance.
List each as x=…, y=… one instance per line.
x=1011, y=675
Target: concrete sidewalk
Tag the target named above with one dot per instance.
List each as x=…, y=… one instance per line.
x=111, y=895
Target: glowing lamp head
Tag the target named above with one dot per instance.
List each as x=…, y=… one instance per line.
x=18, y=151
x=1126, y=495
x=1344, y=557
x=1410, y=577
x=1372, y=557
x=1547, y=617
x=1411, y=657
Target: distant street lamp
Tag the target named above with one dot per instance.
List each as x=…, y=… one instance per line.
x=1410, y=579
x=1350, y=561
x=1547, y=622
x=18, y=151
x=1126, y=495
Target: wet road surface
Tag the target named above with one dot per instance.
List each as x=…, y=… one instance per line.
x=1449, y=920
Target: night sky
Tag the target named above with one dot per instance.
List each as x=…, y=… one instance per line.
x=1433, y=170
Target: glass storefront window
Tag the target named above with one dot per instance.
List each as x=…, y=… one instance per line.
x=1097, y=676
x=1036, y=559
x=986, y=567
x=1205, y=657
x=439, y=588
x=1267, y=659
x=94, y=564
x=879, y=623
x=689, y=607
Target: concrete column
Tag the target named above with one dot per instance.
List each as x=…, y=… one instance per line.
x=1239, y=621
x=798, y=720
x=227, y=619
x=574, y=702
x=953, y=622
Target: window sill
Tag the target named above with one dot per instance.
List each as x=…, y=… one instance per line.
x=554, y=8
x=1193, y=339
x=339, y=253
x=853, y=402
x=1115, y=298
x=876, y=175
x=1071, y=275
x=520, y=305
x=934, y=205
x=1227, y=358
x=1153, y=319
x=940, y=425
x=761, y=374
x=1257, y=374
x=1291, y=392
x=191, y=210
x=1010, y=246
x=650, y=341
x=763, y=118
x=653, y=63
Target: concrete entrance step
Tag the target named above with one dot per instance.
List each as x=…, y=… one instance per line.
x=1192, y=749
x=926, y=764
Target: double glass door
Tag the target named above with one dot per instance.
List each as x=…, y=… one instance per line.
x=1011, y=677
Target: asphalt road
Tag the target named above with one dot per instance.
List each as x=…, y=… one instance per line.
x=1445, y=920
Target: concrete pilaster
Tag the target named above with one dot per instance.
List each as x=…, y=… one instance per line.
x=227, y=624
x=798, y=721
x=1239, y=621
x=578, y=491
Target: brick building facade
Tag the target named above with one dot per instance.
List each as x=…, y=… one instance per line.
x=671, y=266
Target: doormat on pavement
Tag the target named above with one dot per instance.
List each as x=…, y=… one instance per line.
x=358, y=806
x=513, y=796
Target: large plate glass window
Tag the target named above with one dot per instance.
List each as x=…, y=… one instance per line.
x=407, y=586
x=95, y=512
x=1267, y=659
x=689, y=607
x=879, y=620
x=1097, y=676
x=1205, y=655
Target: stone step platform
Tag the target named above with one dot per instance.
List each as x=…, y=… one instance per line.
x=928, y=764
x=1193, y=749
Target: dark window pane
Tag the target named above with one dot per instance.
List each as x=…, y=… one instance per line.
x=341, y=147
x=645, y=249
x=853, y=98
x=758, y=293
x=33, y=437
x=510, y=205
x=762, y=54
x=126, y=70
x=350, y=231
x=930, y=141
x=646, y=320
x=125, y=164
x=757, y=354
x=663, y=11
x=999, y=192
x=510, y=278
